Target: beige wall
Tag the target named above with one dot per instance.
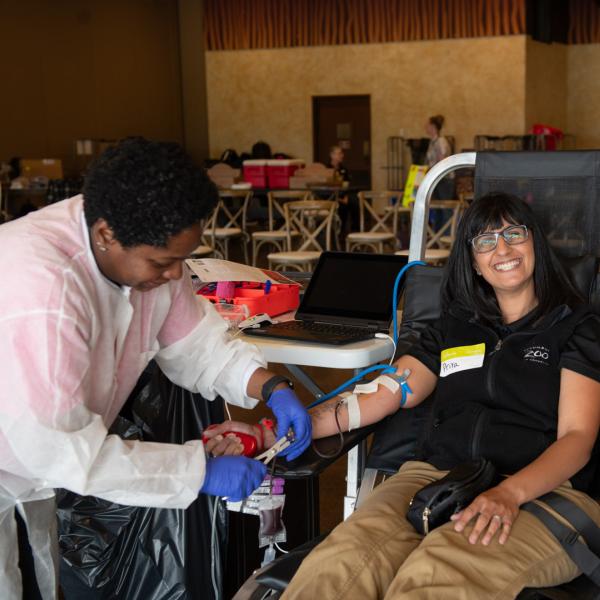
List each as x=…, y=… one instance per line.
x=583, y=105
x=546, y=84
x=87, y=69
x=478, y=84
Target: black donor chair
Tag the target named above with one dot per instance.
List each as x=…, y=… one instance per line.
x=563, y=190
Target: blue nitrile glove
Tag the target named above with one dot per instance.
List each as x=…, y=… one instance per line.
x=290, y=412
x=235, y=477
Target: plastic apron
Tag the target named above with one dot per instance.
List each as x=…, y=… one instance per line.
x=72, y=346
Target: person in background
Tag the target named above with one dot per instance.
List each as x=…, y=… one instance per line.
x=95, y=287
x=438, y=149
x=348, y=209
x=336, y=162
x=261, y=150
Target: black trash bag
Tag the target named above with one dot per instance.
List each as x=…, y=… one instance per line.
x=109, y=550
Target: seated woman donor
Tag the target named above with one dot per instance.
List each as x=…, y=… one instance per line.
x=529, y=401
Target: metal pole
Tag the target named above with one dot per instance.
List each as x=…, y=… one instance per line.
x=418, y=231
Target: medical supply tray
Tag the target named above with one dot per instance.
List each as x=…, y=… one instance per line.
x=281, y=298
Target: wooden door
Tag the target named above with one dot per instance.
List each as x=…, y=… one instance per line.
x=344, y=121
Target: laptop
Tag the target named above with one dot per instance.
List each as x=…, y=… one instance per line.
x=348, y=299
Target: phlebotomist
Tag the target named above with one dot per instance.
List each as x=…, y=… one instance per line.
x=93, y=288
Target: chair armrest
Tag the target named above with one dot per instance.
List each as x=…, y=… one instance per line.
x=310, y=463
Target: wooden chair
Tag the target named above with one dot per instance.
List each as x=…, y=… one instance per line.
x=383, y=223
x=313, y=220
x=203, y=250
x=277, y=236
x=228, y=222
x=434, y=256
x=444, y=237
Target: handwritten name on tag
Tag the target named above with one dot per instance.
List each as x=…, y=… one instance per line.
x=461, y=358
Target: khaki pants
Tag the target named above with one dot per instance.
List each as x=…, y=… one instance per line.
x=376, y=553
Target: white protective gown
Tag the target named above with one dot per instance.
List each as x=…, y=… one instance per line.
x=72, y=346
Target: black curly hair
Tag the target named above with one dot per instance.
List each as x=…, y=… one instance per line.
x=147, y=191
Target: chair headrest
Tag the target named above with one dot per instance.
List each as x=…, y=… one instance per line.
x=422, y=302
x=583, y=272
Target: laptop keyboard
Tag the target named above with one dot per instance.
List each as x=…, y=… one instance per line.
x=324, y=328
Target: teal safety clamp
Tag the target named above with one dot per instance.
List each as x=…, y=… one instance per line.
x=403, y=383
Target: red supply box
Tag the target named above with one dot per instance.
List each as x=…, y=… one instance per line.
x=280, y=298
x=255, y=172
x=279, y=172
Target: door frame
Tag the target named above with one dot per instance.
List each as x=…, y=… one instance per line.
x=315, y=120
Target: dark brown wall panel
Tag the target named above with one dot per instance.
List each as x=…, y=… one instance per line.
x=87, y=69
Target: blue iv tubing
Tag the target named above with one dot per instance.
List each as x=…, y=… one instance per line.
x=384, y=368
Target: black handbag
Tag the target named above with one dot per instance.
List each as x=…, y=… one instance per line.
x=434, y=504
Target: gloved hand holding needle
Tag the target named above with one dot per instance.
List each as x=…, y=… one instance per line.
x=231, y=437
x=238, y=476
x=291, y=414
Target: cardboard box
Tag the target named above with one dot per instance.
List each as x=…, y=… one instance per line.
x=223, y=175
x=313, y=174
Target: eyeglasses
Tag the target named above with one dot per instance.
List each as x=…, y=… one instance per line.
x=486, y=242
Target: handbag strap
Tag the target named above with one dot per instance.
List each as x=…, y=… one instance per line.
x=585, y=559
x=577, y=517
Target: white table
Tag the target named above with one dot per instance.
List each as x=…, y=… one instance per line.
x=356, y=356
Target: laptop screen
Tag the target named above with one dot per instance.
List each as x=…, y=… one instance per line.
x=352, y=285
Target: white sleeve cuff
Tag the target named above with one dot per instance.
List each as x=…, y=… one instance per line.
x=250, y=369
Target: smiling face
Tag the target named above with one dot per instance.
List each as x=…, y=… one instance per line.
x=142, y=267
x=508, y=268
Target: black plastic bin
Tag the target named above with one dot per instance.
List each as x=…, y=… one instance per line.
x=113, y=551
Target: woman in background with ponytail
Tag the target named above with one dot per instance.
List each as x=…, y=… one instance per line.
x=438, y=149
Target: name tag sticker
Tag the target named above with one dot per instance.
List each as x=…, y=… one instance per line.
x=461, y=358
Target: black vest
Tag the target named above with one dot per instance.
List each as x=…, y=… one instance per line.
x=507, y=409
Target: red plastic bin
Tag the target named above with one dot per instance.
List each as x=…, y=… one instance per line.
x=255, y=172
x=279, y=172
x=282, y=298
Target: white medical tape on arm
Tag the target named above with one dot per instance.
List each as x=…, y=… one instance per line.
x=353, y=406
x=351, y=400
x=389, y=383
x=371, y=386
x=365, y=388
